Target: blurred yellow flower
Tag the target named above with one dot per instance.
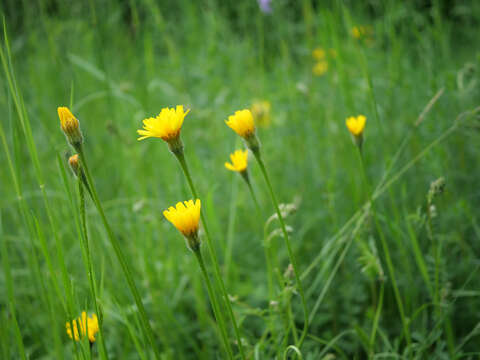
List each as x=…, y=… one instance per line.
x=318, y=53
x=185, y=216
x=70, y=126
x=239, y=161
x=261, y=112
x=356, y=125
x=242, y=123
x=166, y=125
x=362, y=32
x=87, y=325
x=320, y=68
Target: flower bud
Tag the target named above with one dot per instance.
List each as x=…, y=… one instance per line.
x=74, y=164
x=70, y=127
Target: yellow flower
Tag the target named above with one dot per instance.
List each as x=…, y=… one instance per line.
x=166, y=125
x=318, y=54
x=356, y=125
x=185, y=216
x=320, y=68
x=242, y=123
x=239, y=161
x=87, y=324
x=362, y=32
x=70, y=126
x=356, y=33
x=261, y=112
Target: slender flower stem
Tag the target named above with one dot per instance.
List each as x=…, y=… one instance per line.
x=386, y=250
x=183, y=163
x=376, y=318
x=267, y=254
x=81, y=192
x=121, y=258
x=254, y=197
x=213, y=300
x=289, y=247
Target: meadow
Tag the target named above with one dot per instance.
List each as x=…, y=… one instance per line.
x=373, y=249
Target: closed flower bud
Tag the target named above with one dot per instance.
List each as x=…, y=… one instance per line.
x=74, y=163
x=70, y=127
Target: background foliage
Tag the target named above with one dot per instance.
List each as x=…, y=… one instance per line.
x=116, y=62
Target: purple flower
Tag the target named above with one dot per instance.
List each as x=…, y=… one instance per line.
x=265, y=6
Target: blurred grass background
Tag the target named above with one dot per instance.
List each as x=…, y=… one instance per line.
x=117, y=62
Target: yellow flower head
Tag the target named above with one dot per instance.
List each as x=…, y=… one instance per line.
x=261, y=112
x=320, y=68
x=318, y=54
x=74, y=163
x=242, y=123
x=166, y=125
x=362, y=32
x=356, y=125
x=87, y=325
x=239, y=161
x=70, y=126
x=185, y=216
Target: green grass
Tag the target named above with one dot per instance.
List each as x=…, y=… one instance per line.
x=396, y=278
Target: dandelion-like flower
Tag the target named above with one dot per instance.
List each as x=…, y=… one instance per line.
x=185, y=217
x=242, y=123
x=320, y=68
x=318, y=53
x=261, y=112
x=70, y=126
x=356, y=126
x=166, y=126
x=87, y=324
x=363, y=32
x=239, y=161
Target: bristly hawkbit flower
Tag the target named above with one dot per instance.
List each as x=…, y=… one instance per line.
x=166, y=126
x=87, y=325
x=70, y=126
x=261, y=113
x=239, y=161
x=363, y=32
x=320, y=68
x=356, y=126
x=318, y=53
x=242, y=123
x=185, y=217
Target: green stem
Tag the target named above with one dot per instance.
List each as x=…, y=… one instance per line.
x=267, y=254
x=213, y=300
x=11, y=298
x=121, y=258
x=83, y=220
x=377, y=318
x=386, y=250
x=289, y=247
x=254, y=197
x=183, y=163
